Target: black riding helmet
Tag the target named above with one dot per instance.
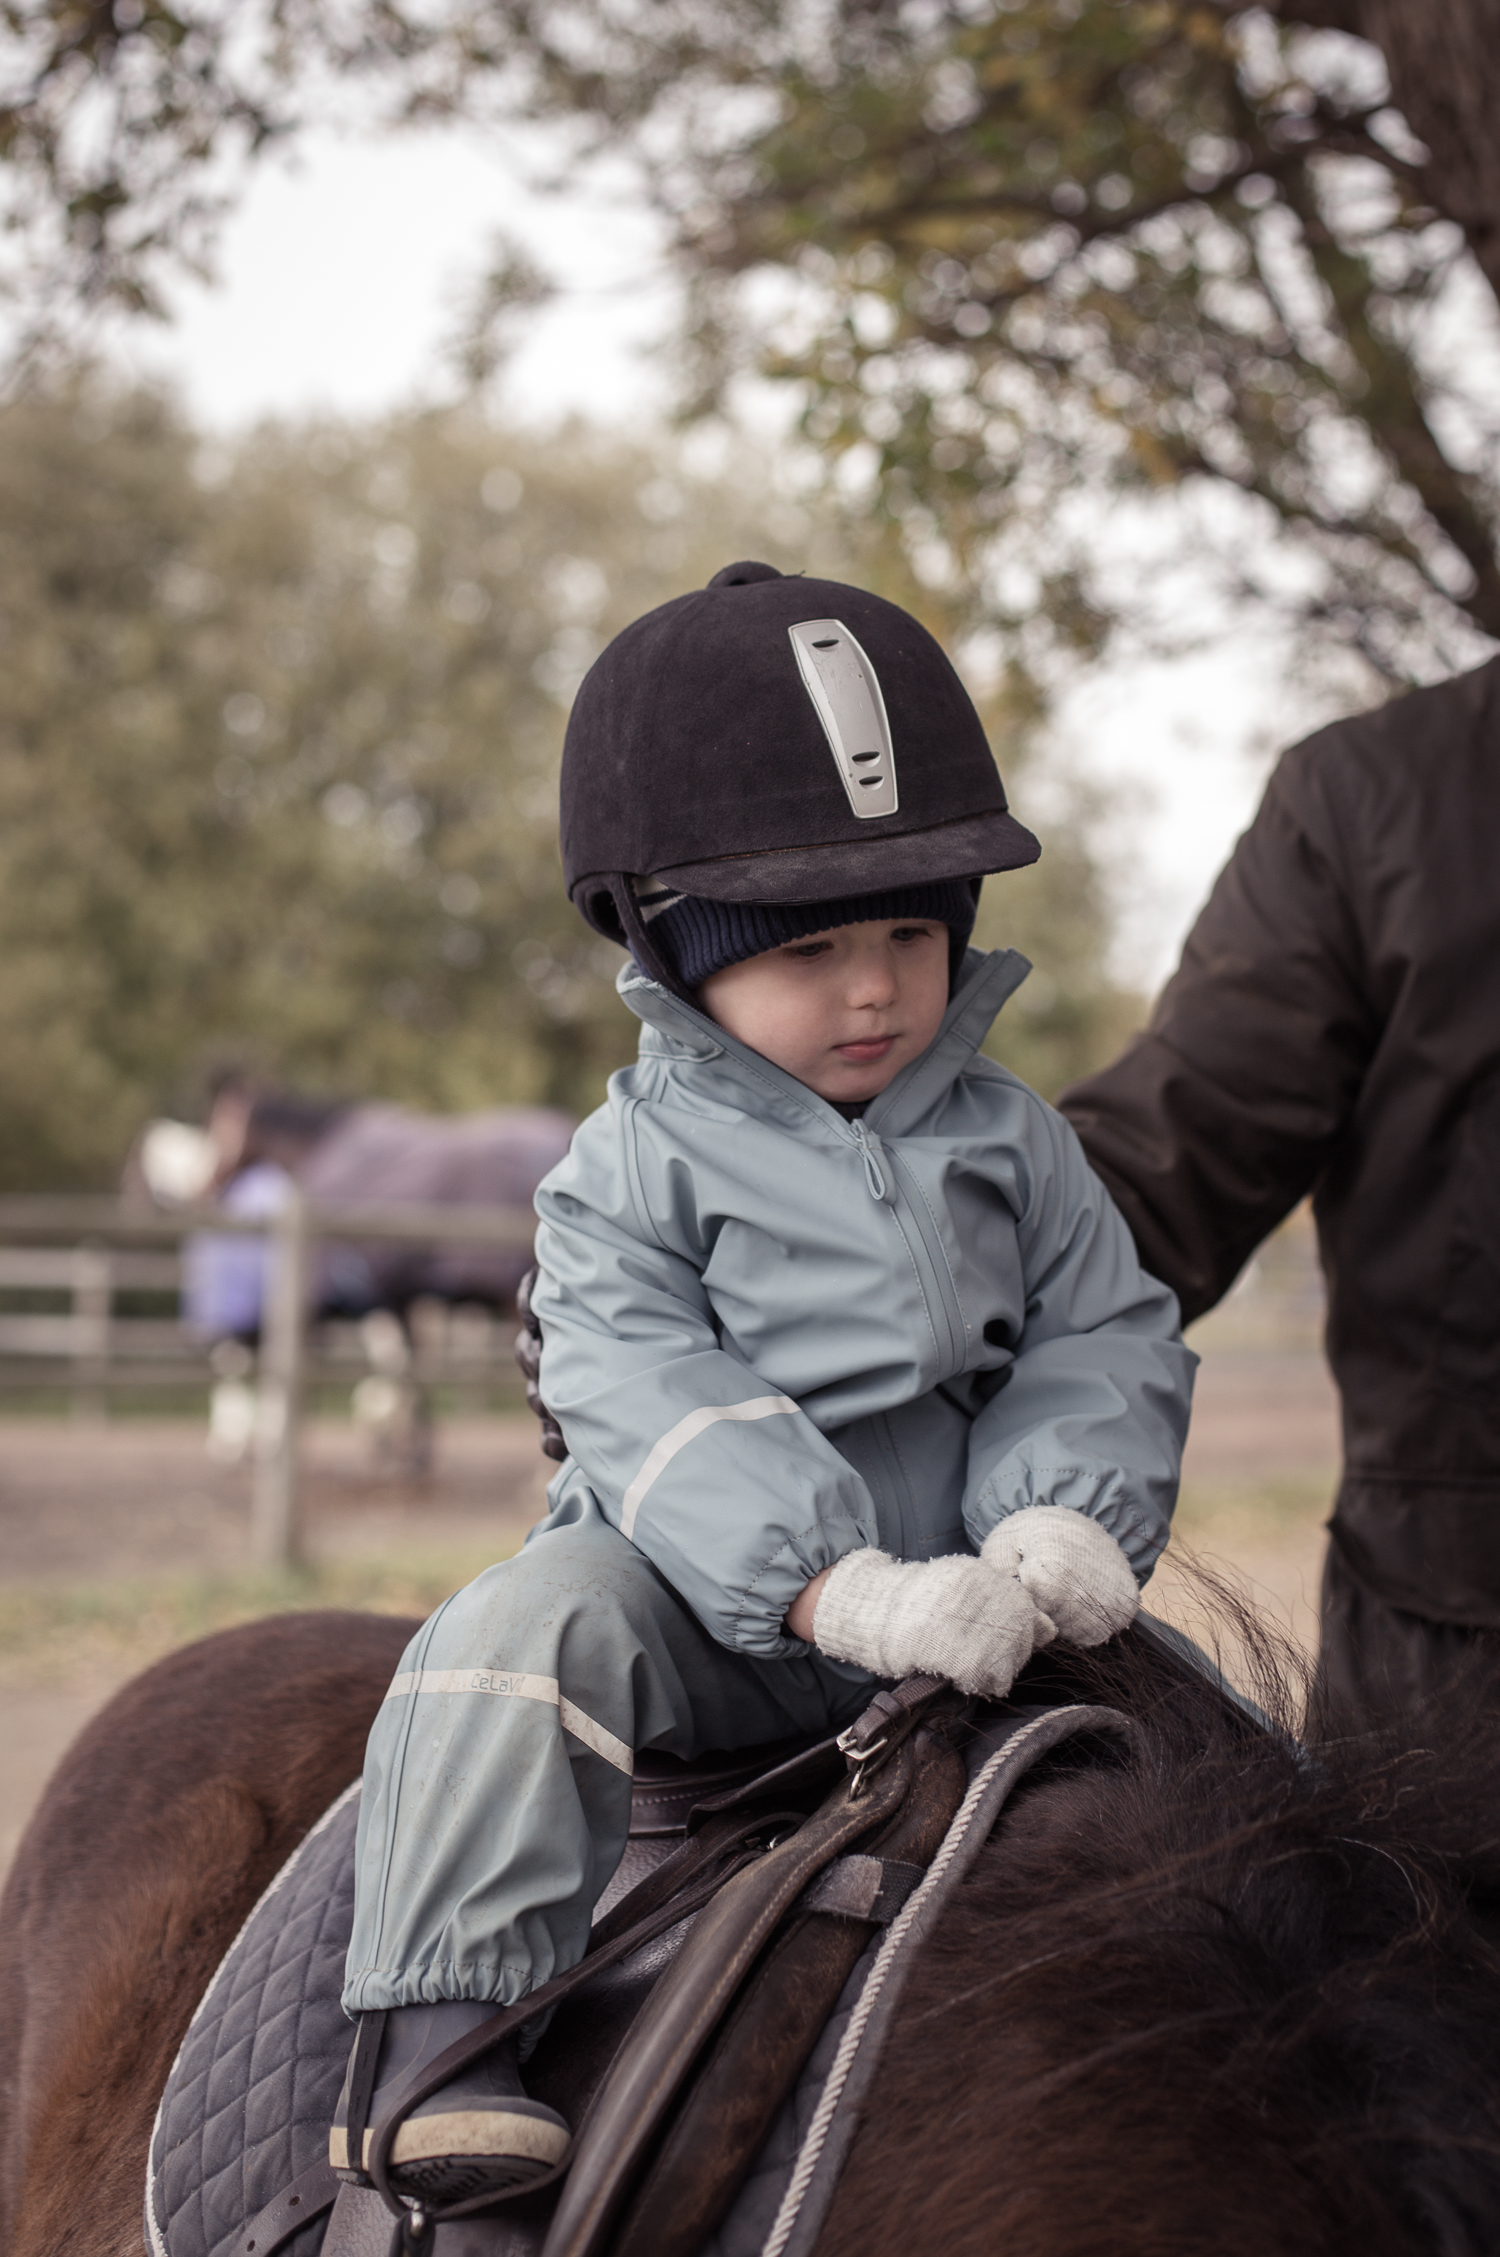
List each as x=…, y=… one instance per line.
x=774, y=740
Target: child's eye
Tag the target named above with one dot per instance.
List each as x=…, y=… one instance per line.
x=808, y=948
x=911, y=932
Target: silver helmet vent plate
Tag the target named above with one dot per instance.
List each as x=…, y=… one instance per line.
x=845, y=689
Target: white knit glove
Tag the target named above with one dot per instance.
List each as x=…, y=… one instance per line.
x=1072, y=1568
x=950, y=1618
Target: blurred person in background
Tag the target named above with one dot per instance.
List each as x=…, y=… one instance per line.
x=1334, y=1028
x=356, y=1155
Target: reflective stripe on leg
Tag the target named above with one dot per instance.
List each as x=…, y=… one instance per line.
x=517, y=1685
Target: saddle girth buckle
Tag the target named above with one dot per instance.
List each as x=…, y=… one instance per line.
x=868, y=1744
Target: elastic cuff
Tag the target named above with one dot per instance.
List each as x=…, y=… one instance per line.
x=440, y=1982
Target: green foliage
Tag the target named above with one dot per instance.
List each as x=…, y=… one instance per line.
x=1014, y=251
x=1067, y=1019
x=279, y=733
x=1029, y=248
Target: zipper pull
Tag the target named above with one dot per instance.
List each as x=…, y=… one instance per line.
x=870, y=1153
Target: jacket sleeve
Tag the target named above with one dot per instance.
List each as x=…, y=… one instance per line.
x=732, y=1492
x=1095, y=1411
x=1221, y=1116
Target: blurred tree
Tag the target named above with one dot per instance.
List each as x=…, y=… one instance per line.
x=1036, y=249
x=1035, y=246
x=1444, y=64
x=279, y=727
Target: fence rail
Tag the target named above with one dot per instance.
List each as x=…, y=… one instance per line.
x=114, y=1222
x=101, y=1256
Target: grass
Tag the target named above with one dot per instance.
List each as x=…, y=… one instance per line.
x=1259, y=1513
x=52, y=1632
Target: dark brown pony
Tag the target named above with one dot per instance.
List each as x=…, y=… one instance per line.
x=160, y=1828
x=1227, y=1999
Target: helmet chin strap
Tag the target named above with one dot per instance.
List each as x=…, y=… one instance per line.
x=638, y=939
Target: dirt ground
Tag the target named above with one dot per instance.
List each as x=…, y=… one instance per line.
x=120, y=1541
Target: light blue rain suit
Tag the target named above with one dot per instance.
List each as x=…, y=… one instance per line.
x=771, y=1335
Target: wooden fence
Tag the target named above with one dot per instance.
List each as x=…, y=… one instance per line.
x=95, y=1248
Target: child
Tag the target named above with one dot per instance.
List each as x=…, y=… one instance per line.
x=855, y=1362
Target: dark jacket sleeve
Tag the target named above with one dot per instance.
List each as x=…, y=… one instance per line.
x=1217, y=1119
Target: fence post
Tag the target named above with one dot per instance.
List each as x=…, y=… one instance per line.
x=275, y=1518
x=93, y=1298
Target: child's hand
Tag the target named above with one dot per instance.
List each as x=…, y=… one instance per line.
x=1072, y=1568
x=802, y=1613
x=953, y=1618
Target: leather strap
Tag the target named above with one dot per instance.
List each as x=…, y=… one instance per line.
x=863, y=1888
x=447, y=2065
x=889, y=1709
x=688, y=2005
x=678, y=1887
x=889, y=1721
x=1025, y=1740
x=363, y=2062
x=751, y=2062
x=676, y=1872
x=309, y=2195
x=807, y=1771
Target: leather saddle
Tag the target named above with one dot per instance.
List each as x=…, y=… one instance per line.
x=751, y=1887
x=750, y=1890
x=756, y=1889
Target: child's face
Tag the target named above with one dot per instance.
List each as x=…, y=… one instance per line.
x=843, y=1011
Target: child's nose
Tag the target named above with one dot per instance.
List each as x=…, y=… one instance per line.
x=873, y=982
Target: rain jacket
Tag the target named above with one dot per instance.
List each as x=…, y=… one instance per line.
x=772, y=1334
x=1334, y=1027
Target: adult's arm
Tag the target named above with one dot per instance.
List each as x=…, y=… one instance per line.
x=1225, y=1112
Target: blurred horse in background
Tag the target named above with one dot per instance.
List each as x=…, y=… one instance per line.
x=260, y=1141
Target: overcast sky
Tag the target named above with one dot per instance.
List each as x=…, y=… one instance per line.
x=340, y=275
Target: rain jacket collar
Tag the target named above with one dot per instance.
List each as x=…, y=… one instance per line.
x=986, y=981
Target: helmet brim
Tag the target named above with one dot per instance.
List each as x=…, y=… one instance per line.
x=970, y=846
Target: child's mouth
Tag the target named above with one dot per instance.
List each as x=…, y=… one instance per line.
x=865, y=1053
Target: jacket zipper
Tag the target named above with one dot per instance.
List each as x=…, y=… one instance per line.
x=943, y=1291
x=871, y=1154
x=927, y=1254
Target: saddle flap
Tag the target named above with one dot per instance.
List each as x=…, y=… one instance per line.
x=692, y=2000
x=755, y=2058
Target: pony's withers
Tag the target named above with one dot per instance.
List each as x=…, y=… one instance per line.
x=1236, y=1996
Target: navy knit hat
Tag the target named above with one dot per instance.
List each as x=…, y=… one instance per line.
x=698, y=937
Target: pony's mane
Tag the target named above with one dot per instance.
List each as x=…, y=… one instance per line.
x=1232, y=1996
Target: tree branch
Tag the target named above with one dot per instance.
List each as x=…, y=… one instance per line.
x=1443, y=57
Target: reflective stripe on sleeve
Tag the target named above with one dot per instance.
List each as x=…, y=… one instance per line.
x=696, y=1423
x=513, y=1685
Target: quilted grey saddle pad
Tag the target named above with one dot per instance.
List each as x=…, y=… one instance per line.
x=248, y=2102
x=247, y=2105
